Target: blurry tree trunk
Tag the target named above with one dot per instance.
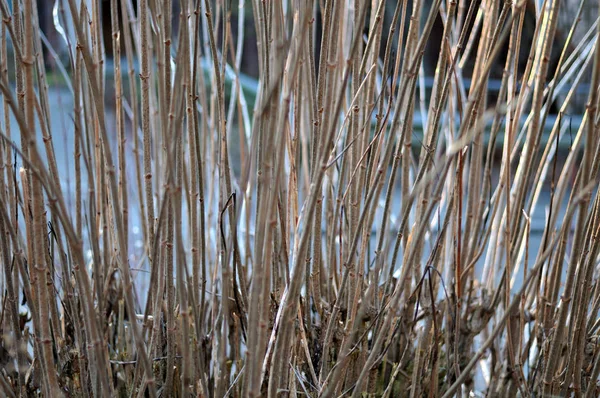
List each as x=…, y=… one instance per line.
x=47, y=26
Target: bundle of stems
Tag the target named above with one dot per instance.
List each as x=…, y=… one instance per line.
x=192, y=245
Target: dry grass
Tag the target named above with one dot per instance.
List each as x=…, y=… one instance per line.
x=300, y=248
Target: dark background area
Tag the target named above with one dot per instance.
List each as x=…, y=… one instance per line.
x=249, y=63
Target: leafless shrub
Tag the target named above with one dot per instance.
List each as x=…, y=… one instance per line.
x=349, y=235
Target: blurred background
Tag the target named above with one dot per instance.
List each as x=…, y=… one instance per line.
x=51, y=14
